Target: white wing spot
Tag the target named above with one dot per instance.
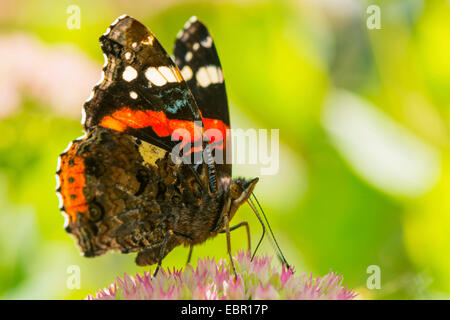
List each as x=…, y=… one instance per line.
x=196, y=46
x=118, y=19
x=213, y=74
x=58, y=164
x=148, y=41
x=91, y=95
x=133, y=95
x=168, y=73
x=188, y=56
x=105, y=63
x=81, y=137
x=129, y=74
x=193, y=19
x=153, y=75
x=127, y=55
x=209, y=75
x=134, y=45
x=186, y=72
x=66, y=219
x=207, y=42
x=203, y=77
x=102, y=78
x=179, y=34
x=115, y=22
x=61, y=200
x=83, y=112
x=68, y=147
x=58, y=182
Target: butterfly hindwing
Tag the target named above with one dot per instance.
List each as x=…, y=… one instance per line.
x=142, y=92
x=196, y=56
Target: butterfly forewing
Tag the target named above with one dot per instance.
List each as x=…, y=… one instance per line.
x=196, y=56
x=142, y=92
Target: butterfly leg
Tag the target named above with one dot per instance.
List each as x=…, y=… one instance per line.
x=163, y=249
x=191, y=247
x=227, y=230
x=243, y=223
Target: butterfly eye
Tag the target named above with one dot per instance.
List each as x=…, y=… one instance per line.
x=95, y=212
x=235, y=191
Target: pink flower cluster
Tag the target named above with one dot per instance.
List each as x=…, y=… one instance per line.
x=256, y=279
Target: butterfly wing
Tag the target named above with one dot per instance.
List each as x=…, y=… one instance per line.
x=142, y=92
x=196, y=56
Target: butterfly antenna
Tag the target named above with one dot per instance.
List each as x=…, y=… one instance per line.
x=273, y=239
x=250, y=203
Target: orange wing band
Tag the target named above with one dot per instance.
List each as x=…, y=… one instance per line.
x=72, y=183
x=125, y=118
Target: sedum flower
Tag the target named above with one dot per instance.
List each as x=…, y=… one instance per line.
x=256, y=279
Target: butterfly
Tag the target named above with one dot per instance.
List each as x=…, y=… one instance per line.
x=121, y=185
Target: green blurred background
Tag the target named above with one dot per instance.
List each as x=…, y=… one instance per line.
x=364, y=119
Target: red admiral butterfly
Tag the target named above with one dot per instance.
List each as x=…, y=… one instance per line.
x=118, y=186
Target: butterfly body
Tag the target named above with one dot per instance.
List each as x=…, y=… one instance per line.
x=119, y=187
x=131, y=200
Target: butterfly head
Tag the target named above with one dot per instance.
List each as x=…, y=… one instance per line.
x=240, y=191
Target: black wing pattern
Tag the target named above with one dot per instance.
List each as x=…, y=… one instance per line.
x=196, y=56
x=142, y=92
